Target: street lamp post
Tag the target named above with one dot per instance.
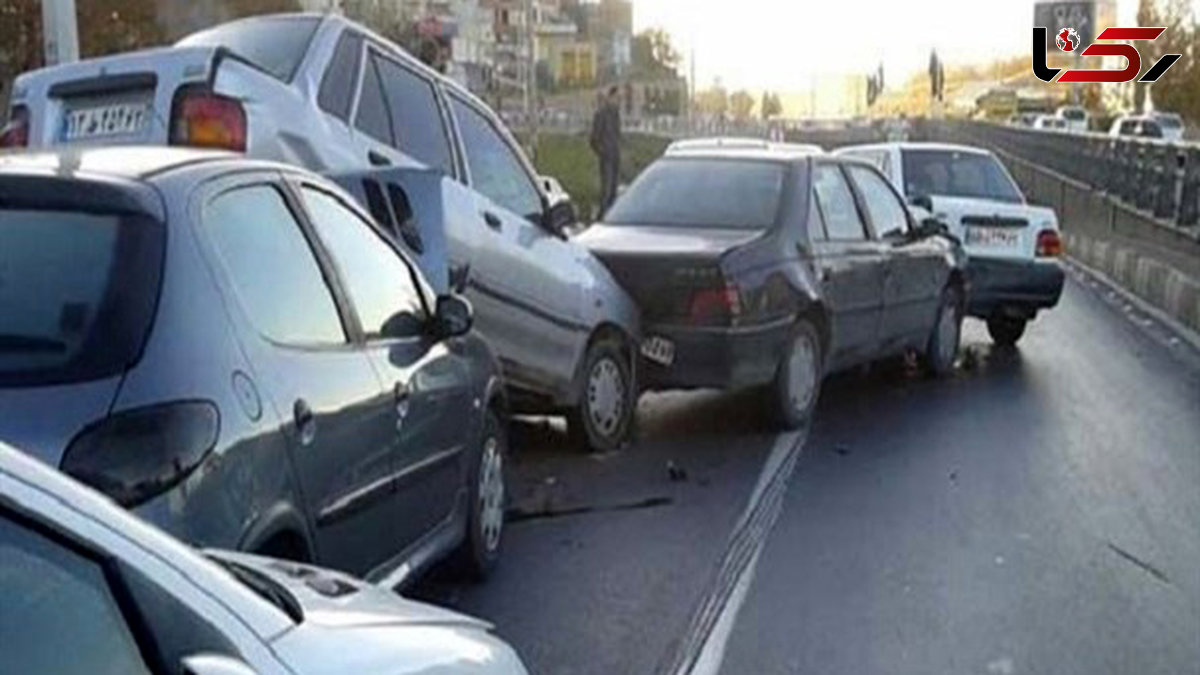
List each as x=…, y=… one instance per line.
x=60, y=34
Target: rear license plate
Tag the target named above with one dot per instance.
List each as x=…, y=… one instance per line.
x=998, y=237
x=659, y=350
x=118, y=119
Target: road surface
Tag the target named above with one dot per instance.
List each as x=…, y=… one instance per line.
x=1039, y=512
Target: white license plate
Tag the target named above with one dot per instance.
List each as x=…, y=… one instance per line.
x=993, y=236
x=119, y=119
x=659, y=350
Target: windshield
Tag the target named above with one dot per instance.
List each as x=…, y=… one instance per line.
x=703, y=192
x=1169, y=121
x=276, y=44
x=948, y=173
x=77, y=291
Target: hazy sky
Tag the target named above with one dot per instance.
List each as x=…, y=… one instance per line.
x=781, y=44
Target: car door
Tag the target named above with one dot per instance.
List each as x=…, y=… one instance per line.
x=300, y=339
x=850, y=265
x=526, y=283
x=912, y=286
x=426, y=381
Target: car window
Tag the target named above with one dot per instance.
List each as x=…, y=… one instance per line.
x=380, y=284
x=276, y=44
x=416, y=117
x=271, y=267
x=77, y=293
x=887, y=213
x=496, y=171
x=703, y=192
x=837, y=204
x=1128, y=127
x=816, y=222
x=337, y=84
x=373, y=118
x=62, y=616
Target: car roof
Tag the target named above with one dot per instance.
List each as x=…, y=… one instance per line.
x=917, y=145
x=136, y=162
x=741, y=148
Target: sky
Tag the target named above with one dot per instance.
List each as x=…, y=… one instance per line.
x=783, y=44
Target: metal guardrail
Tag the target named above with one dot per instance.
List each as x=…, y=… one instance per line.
x=1155, y=176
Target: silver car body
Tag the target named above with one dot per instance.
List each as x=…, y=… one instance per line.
x=362, y=630
x=539, y=297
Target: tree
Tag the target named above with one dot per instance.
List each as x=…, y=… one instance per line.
x=770, y=106
x=1179, y=90
x=653, y=55
x=713, y=101
x=741, y=105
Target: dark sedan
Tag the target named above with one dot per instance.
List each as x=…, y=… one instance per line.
x=772, y=267
x=233, y=350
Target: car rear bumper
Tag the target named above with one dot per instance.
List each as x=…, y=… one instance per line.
x=718, y=358
x=1018, y=287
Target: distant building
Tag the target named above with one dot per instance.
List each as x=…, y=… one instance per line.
x=609, y=25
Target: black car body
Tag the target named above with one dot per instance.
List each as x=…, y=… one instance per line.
x=727, y=249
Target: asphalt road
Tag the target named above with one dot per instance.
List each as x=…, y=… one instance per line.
x=1039, y=512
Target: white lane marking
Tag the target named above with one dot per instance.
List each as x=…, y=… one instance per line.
x=712, y=652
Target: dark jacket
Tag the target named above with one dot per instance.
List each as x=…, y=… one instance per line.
x=606, y=130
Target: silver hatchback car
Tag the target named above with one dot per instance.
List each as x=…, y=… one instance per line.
x=232, y=349
x=90, y=589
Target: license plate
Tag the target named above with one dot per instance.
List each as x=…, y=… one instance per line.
x=119, y=119
x=659, y=350
x=993, y=236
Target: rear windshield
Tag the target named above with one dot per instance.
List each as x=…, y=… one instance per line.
x=948, y=173
x=276, y=44
x=77, y=293
x=695, y=192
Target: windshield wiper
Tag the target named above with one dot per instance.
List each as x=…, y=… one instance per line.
x=264, y=586
x=17, y=343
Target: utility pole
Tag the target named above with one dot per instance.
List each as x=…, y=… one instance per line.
x=60, y=34
x=531, y=105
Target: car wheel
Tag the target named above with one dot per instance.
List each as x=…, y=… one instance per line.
x=798, y=378
x=604, y=416
x=479, y=552
x=1006, y=331
x=942, y=350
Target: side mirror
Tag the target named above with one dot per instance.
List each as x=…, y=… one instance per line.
x=454, y=316
x=214, y=664
x=923, y=201
x=559, y=216
x=931, y=227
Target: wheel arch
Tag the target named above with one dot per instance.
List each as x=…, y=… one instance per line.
x=604, y=330
x=280, y=530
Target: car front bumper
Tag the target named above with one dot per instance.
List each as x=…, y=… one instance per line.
x=717, y=358
x=1013, y=287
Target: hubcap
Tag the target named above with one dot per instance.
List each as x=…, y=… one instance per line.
x=606, y=397
x=491, y=494
x=802, y=373
x=948, y=334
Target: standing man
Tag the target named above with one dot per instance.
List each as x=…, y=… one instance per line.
x=606, y=143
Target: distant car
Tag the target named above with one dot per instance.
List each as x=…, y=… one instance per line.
x=234, y=350
x=324, y=93
x=1171, y=125
x=1136, y=126
x=88, y=588
x=1013, y=246
x=1075, y=117
x=1050, y=122
x=771, y=267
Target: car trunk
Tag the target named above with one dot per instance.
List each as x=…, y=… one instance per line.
x=670, y=271
x=993, y=229
x=120, y=99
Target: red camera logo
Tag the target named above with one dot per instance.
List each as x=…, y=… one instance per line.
x=1068, y=41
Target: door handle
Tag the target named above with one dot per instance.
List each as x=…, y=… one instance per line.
x=493, y=221
x=402, y=396
x=306, y=422
x=377, y=158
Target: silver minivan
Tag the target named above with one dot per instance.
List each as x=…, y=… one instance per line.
x=327, y=94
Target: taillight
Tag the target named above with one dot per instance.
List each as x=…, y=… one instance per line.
x=15, y=134
x=1049, y=244
x=711, y=306
x=203, y=119
x=137, y=455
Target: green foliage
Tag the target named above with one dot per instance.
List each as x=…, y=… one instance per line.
x=653, y=55
x=741, y=105
x=771, y=106
x=568, y=158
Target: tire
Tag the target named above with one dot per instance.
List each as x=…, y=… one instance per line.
x=1006, y=331
x=603, y=419
x=797, y=384
x=479, y=551
x=942, y=349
